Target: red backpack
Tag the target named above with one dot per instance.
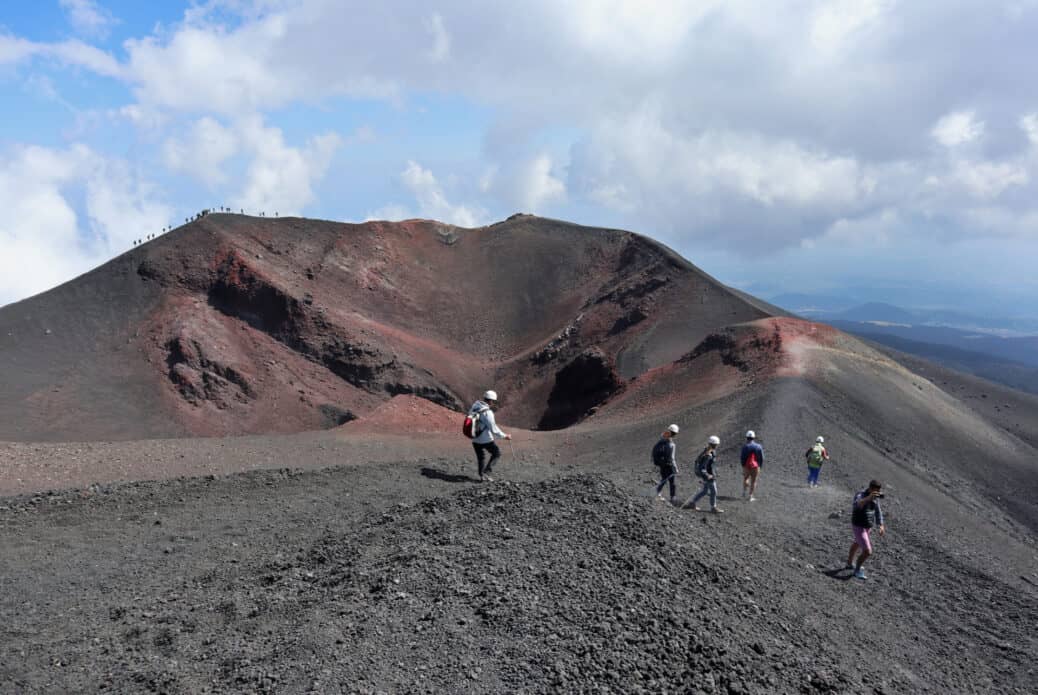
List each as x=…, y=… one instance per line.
x=473, y=425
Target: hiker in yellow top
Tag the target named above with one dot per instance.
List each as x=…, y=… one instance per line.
x=815, y=456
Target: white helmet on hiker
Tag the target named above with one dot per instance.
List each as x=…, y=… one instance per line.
x=820, y=440
x=490, y=396
x=713, y=440
x=673, y=429
x=750, y=434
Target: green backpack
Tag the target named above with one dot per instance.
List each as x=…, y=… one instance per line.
x=814, y=456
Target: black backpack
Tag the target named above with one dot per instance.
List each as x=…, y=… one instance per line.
x=661, y=453
x=701, y=471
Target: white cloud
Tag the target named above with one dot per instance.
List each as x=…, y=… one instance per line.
x=433, y=203
x=279, y=177
x=203, y=152
x=441, y=39
x=706, y=180
x=989, y=179
x=833, y=24
x=716, y=121
x=1029, y=124
x=15, y=50
x=526, y=185
x=45, y=242
x=537, y=186
x=87, y=17
x=73, y=53
x=392, y=213
x=121, y=206
x=958, y=128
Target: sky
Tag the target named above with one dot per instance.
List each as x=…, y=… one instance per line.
x=882, y=148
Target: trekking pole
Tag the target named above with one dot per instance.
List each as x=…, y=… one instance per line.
x=512, y=447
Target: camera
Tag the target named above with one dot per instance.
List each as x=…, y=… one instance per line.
x=879, y=496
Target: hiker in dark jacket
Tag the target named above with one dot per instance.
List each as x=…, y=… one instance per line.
x=752, y=459
x=705, y=472
x=866, y=514
x=664, y=457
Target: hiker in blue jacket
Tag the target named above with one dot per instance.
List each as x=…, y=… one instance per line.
x=485, y=433
x=752, y=459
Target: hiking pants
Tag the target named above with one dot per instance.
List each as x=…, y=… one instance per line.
x=495, y=454
x=812, y=475
x=709, y=488
x=668, y=474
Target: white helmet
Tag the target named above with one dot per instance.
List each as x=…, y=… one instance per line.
x=713, y=440
x=673, y=429
x=750, y=434
x=490, y=396
x=820, y=439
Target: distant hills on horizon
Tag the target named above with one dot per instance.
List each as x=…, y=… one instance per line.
x=996, y=348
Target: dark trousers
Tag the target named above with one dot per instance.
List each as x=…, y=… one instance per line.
x=668, y=474
x=495, y=454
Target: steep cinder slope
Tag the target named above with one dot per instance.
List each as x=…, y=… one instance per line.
x=234, y=325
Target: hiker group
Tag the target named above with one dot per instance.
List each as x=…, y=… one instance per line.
x=866, y=512
x=481, y=428
x=664, y=457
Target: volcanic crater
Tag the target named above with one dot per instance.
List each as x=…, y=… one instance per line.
x=233, y=463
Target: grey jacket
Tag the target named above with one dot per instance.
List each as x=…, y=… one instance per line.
x=486, y=425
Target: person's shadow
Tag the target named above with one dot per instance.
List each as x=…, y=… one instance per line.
x=840, y=573
x=437, y=474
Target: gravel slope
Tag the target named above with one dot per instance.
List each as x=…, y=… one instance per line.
x=408, y=576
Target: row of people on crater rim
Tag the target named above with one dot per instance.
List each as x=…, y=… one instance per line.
x=481, y=427
x=199, y=215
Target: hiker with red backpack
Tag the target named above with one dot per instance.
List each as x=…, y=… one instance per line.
x=752, y=458
x=481, y=427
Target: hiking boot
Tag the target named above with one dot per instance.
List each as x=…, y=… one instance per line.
x=659, y=498
x=849, y=567
x=860, y=574
x=486, y=478
x=752, y=498
x=717, y=510
x=694, y=508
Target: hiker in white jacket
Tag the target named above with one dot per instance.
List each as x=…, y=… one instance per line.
x=486, y=432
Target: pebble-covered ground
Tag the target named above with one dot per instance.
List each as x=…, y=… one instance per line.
x=570, y=584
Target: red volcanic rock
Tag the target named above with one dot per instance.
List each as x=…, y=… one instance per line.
x=234, y=325
x=408, y=415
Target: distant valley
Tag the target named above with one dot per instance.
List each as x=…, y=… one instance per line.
x=992, y=348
